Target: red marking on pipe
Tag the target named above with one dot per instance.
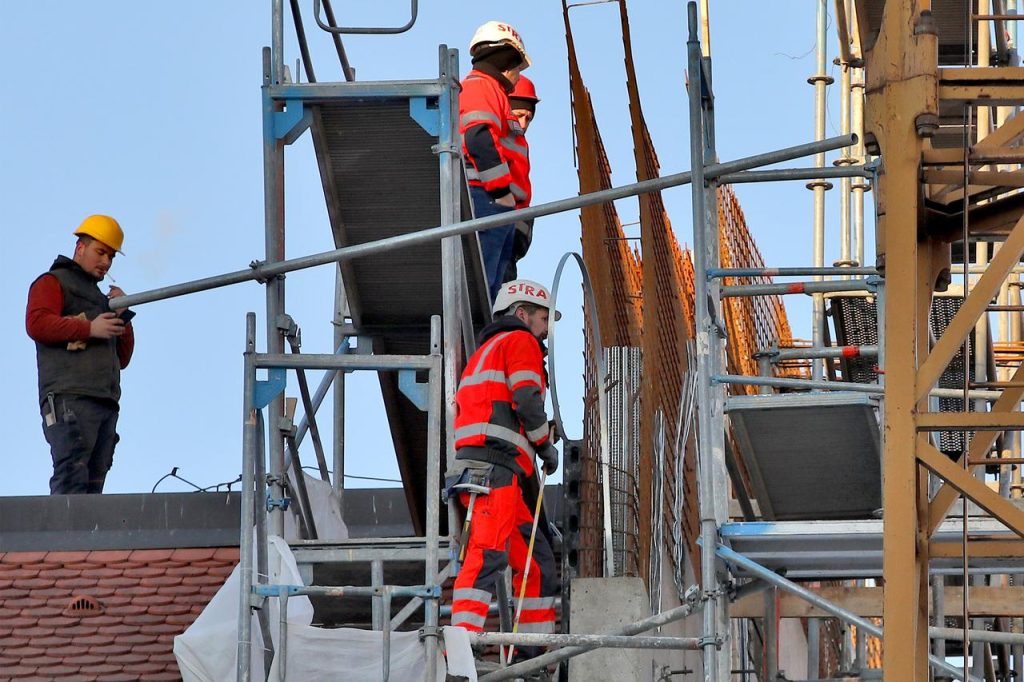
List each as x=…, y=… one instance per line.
x=851, y=351
x=878, y=370
x=795, y=288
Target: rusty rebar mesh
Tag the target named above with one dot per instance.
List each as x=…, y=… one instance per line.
x=753, y=323
x=615, y=272
x=666, y=331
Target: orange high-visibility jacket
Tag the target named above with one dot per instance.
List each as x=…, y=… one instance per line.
x=500, y=414
x=493, y=146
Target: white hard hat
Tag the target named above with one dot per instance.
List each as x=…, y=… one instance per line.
x=499, y=32
x=523, y=291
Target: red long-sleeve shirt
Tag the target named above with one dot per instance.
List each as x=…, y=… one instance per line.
x=44, y=323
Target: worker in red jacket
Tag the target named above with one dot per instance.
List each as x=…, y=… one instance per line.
x=523, y=102
x=500, y=424
x=492, y=142
x=81, y=347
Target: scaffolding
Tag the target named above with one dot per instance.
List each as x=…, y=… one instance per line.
x=926, y=124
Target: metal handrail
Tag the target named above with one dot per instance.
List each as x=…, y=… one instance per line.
x=367, y=30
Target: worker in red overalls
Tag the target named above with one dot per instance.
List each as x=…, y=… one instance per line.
x=523, y=102
x=492, y=142
x=500, y=424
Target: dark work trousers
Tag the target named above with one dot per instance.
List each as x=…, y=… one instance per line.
x=495, y=243
x=82, y=434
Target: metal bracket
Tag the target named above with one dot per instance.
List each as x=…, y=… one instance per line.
x=256, y=600
x=412, y=389
x=446, y=149
x=277, y=503
x=293, y=121
x=428, y=118
x=429, y=631
x=704, y=641
x=274, y=385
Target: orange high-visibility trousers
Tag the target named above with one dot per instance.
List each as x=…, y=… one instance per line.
x=499, y=536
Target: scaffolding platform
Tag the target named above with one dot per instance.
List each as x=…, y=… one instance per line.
x=810, y=455
x=826, y=550
x=378, y=150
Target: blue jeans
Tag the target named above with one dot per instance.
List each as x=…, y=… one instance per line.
x=495, y=243
x=82, y=435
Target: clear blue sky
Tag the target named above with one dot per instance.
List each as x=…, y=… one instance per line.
x=151, y=112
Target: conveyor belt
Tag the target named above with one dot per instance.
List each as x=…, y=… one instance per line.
x=381, y=178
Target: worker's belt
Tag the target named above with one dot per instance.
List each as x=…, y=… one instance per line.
x=468, y=475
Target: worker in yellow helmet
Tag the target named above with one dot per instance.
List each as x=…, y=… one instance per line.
x=81, y=347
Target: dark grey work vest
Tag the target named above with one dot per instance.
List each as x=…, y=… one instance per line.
x=94, y=371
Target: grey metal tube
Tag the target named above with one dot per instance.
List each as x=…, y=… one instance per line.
x=434, y=415
x=787, y=272
x=783, y=174
x=273, y=216
x=416, y=602
x=282, y=668
x=811, y=384
x=831, y=352
x=277, y=40
x=747, y=290
x=338, y=436
x=990, y=636
x=260, y=512
x=350, y=362
x=377, y=607
x=264, y=271
x=244, y=648
x=760, y=571
x=454, y=296
x=603, y=641
x=819, y=80
x=552, y=657
x=432, y=592
x=318, y=397
x=705, y=244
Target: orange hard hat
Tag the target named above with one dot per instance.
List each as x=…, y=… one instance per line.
x=524, y=89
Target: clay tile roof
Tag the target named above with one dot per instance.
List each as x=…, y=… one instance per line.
x=136, y=601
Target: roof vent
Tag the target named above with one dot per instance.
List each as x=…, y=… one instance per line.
x=82, y=606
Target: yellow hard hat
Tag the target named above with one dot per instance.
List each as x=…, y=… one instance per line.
x=103, y=228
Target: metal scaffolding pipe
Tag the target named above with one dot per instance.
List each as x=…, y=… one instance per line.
x=263, y=272
x=550, y=658
x=814, y=385
x=778, y=354
x=825, y=605
x=788, y=272
x=782, y=174
x=602, y=641
x=817, y=287
x=819, y=80
x=990, y=636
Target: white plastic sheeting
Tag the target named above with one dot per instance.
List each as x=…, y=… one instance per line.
x=350, y=654
x=207, y=651
x=326, y=506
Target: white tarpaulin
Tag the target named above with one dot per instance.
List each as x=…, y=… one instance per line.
x=326, y=506
x=350, y=654
x=206, y=652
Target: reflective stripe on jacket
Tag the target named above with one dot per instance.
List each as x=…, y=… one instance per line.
x=497, y=158
x=500, y=401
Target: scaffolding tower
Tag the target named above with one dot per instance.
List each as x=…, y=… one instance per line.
x=944, y=171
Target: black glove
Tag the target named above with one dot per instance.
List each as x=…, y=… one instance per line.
x=549, y=456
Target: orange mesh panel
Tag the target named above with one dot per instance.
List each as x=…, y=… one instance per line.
x=666, y=331
x=753, y=323
x=615, y=272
